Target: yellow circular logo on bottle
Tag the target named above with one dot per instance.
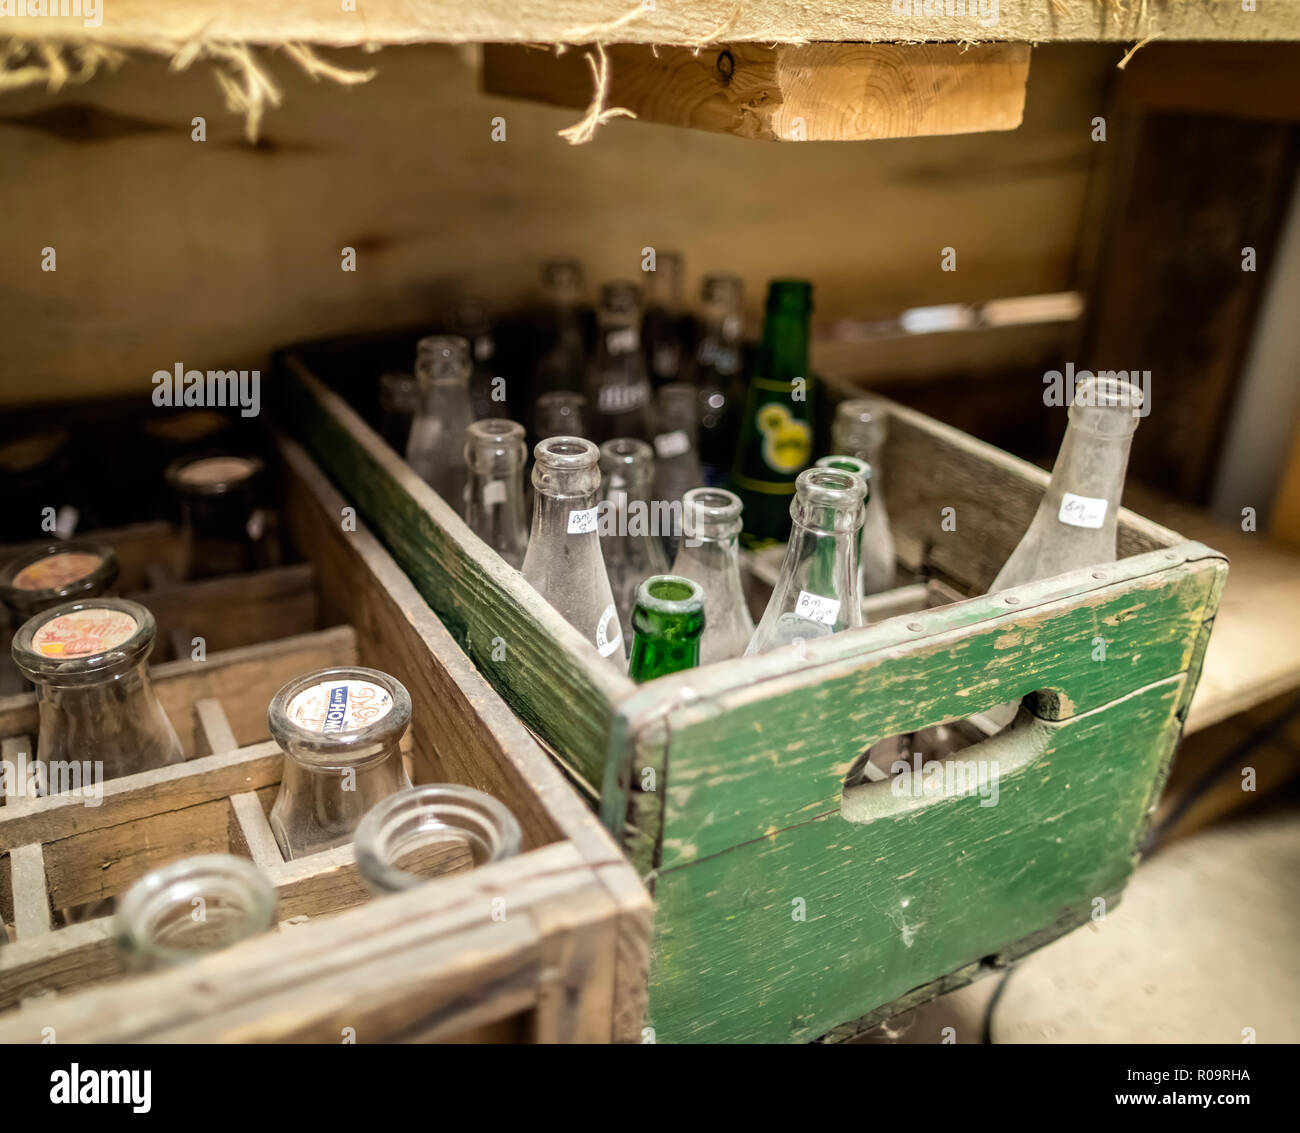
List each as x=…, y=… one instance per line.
x=787, y=441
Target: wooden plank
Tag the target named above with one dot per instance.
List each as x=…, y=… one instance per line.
x=155, y=24
x=213, y=734
x=258, y=839
x=31, y=896
x=810, y=92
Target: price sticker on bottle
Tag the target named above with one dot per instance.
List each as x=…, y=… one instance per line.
x=1082, y=511
x=672, y=444
x=609, y=634
x=582, y=522
x=494, y=492
x=622, y=340
x=817, y=608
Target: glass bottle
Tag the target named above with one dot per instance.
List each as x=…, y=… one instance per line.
x=473, y=322
x=436, y=449
x=562, y=413
x=96, y=701
x=618, y=391
x=817, y=592
x=189, y=909
x=399, y=397
x=676, y=443
x=1075, y=522
x=220, y=520
x=862, y=470
x=630, y=527
x=861, y=428
x=663, y=328
x=776, y=426
x=36, y=473
x=56, y=573
x=563, y=563
x=716, y=372
x=411, y=834
x=710, y=556
x=494, y=499
x=667, y=621
x=339, y=730
x=563, y=364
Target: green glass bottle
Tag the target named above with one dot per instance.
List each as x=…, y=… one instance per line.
x=667, y=623
x=777, y=426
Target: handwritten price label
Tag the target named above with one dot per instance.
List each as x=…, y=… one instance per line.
x=816, y=608
x=582, y=522
x=672, y=444
x=1082, y=511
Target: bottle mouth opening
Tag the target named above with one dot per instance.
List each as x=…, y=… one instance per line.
x=670, y=594
x=830, y=486
x=97, y=636
x=339, y=718
x=417, y=832
x=843, y=463
x=566, y=452
x=496, y=429
x=711, y=505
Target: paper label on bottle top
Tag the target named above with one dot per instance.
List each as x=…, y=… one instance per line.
x=672, y=444
x=608, y=624
x=494, y=492
x=216, y=470
x=582, y=522
x=340, y=706
x=83, y=632
x=1082, y=511
x=54, y=571
x=816, y=608
x=622, y=340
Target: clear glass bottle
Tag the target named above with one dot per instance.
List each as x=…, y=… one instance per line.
x=862, y=470
x=817, y=592
x=560, y=414
x=667, y=621
x=631, y=528
x=399, y=397
x=339, y=730
x=189, y=909
x=220, y=520
x=716, y=373
x=93, y=691
x=436, y=449
x=618, y=391
x=663, y=328
x=56, y=573
x=1075, y=523
x=473, y=322
x=676, y=444
x=564, y=562
x=494, y=500
x=563, y=364
x=861, y=428
x=710, y=555
x=409, y=835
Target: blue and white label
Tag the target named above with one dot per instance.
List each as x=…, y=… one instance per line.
x=332, y=707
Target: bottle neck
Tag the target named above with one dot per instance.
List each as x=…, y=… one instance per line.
x=785, y=346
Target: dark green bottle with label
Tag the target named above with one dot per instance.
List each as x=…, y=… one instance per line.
x=667, y=622
x=776, y=437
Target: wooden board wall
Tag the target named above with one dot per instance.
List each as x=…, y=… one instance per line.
x=212, y=253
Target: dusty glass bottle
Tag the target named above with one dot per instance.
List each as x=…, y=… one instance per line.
x=562, y=413
x=436, y=449
x=191, y=908
x=473, y=322
x=563, y=563
x=1075, y=522
x=412, y=835
x=817, y=591
x=667, y=621
x=563, y=364
x=862, y=470
x=93, y=691
x=56, y=573
x=776, y=427
x=339, y=730
x=663, y=327
x=618, y=391
x=861, y=429
x=630, y=530
x=716, y=373
x=676, y=445
x=494, y=498
x=710, y=555
x=220, y=522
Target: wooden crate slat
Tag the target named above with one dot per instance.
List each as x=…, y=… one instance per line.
x=213, y=733
x=258, y=839
x=30, y=894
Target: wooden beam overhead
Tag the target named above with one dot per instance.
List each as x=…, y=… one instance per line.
x=811, y=92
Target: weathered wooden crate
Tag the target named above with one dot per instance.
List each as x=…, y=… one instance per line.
x=566, y=963
x=789, y=907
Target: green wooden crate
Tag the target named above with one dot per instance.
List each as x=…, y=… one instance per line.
x=787, y=906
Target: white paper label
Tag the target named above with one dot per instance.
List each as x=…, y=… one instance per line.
x=339, y=706
x=1082, y=511
x=672, y=444
x=582, y=522
x=65, y=521
x=816, y=608
x=623, y=340
x=494, y=492
x=484, y=348
x=604, y=642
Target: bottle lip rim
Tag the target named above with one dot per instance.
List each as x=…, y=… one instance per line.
x=37, y=666
x=352, y=748
x=626, y=451
x=691, y=604
x=217, y=487
x=547, y=452
x=102, y=574
x=485, y=821
x=694, y=505
x=830, y=487
x=857, y=466
x=495, y=429
x=179, y=882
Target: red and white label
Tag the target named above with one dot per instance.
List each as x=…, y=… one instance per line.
x=83, y=633
x=54, y=571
